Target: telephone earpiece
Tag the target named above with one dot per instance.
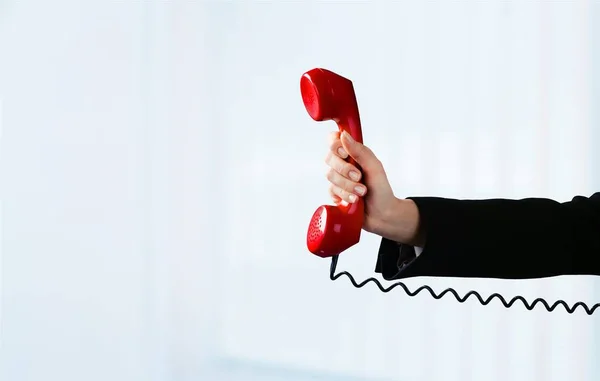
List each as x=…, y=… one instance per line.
x=329, y=96
x=333, y=229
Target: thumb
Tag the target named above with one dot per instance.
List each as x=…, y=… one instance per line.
x=359, y=152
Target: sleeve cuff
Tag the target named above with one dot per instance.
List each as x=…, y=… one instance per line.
x=394, y=257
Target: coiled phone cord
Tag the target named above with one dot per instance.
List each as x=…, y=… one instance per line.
x=550, y=308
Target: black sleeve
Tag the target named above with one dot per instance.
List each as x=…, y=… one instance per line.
x=500, y=238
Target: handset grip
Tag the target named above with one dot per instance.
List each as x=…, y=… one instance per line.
x=329, y=96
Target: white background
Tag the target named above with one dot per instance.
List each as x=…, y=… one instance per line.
x=159, y=170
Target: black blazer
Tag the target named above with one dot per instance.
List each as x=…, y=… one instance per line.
x=499, y=238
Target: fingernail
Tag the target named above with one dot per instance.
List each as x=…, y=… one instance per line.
x=360, y=190
x=346, y=135
x=353, y=198
x=342, y=152
x=354, y=175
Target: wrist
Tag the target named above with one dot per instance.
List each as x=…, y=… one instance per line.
x=402, y=223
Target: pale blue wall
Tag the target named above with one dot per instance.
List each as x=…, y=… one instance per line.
x=150, y=149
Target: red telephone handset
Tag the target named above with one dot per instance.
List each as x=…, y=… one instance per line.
x=329, y=96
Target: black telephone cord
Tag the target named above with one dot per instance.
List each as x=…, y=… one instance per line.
x=550, y=308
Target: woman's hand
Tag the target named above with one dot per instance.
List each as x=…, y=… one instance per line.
x=385, y=215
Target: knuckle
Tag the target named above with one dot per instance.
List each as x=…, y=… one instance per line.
x=345, y=184
x=332, y=143
x=330, y=174
x=340, y=165
x=350, y=187
x=335, y=144
x=328, y=157
x=378, y=165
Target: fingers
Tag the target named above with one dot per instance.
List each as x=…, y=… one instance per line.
x=359, y=152
x=345, y=188
x=333, y=193
x=335, y=145
x=340, y=196
x=342, y=167
x=343, y=176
